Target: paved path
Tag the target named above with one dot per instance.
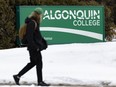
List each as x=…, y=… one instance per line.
x=25, y=84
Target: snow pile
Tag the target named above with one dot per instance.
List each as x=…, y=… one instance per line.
x=75, y=64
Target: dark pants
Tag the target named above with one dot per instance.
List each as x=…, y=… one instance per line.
x=35, y=59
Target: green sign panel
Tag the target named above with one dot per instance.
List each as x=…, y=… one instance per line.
x=68, y=24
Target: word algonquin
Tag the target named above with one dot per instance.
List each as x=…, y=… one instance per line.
x=71, y=14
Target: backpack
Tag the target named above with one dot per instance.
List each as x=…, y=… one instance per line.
x=23, y=40
x=22, y=33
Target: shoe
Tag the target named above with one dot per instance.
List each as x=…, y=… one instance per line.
x=16, y=79
x=43, y=84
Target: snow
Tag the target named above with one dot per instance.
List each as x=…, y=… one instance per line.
x=75, y=64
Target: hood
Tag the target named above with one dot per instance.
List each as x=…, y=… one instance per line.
x=27, y=20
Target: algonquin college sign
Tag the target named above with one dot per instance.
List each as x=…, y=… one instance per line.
x=68, y=24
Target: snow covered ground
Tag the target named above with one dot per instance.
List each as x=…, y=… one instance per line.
x=74, y=64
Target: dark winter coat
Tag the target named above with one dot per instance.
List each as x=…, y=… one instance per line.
x=34, y=38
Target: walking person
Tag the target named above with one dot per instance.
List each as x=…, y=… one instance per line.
x=35, y=44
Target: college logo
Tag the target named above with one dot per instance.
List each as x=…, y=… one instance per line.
x=71, y=24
